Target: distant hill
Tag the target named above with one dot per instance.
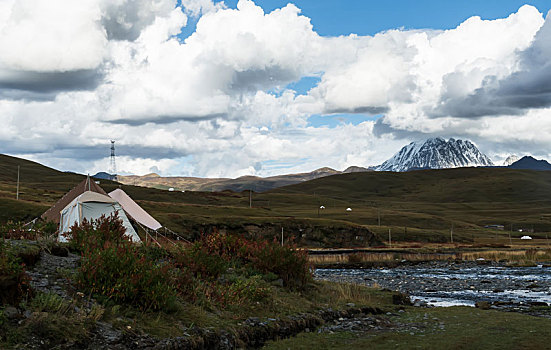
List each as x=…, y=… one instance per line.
x=255, y=183
x=102, y=175
x=530, y=163
x=355, y=169
x=436, y=153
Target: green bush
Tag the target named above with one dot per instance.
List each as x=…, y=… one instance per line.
x=27, y=253
x=289, y=264
x=116, y=269
x=20, y=231
x=204, y=264
x=94, y=234
x=113, y=268
x=14, y=282
x=120, y=273
x=249, y=289
x=207, y=257
x=49, y=302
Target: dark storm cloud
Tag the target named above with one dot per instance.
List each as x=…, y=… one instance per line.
x=13, y=94
x=381, y=128
x=87, y=153
x=528, y=88
x=44, y=85
x=359, y=110
x=511, y=96
x=167, y=119
x=134, y=151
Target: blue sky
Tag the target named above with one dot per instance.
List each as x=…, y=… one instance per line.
x=368, y=17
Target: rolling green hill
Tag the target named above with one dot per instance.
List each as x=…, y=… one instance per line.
x=469, y=198
x=189, y=213
x=415, y=206
x=445, y=185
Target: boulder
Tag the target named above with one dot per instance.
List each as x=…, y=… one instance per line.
x=483, y=305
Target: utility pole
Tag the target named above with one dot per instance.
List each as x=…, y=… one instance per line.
x=282, y=236
x=451, y=234
x=389, y=238
x=17, y=191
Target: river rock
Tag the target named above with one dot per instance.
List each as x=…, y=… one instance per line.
x=11, y=312
x=483, y=305
x=401, y=299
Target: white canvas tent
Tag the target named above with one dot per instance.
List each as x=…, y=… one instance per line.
x=134, y=210
x=92, y=205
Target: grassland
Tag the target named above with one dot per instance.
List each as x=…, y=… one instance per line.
x=422, y=206
x=438, y=328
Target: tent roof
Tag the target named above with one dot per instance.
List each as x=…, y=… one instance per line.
x=90, y=196
x=53, y=214
x=134, y=210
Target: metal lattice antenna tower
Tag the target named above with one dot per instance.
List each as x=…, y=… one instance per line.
x=112, y=164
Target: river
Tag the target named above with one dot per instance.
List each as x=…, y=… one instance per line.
x=456, y=283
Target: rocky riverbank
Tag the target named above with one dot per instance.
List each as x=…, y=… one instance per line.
x=447, y=283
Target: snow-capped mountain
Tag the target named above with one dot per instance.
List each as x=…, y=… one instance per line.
x=436, y=153
x=510, y=160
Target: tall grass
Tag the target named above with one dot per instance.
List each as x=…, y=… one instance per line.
x=523, y=256
x=346, y=292
x=358, y=258
x=528, y=255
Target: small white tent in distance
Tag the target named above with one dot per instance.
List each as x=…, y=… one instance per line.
x=91, y=206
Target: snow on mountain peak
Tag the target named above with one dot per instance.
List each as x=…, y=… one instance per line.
x=510, y=160
x=436, y=153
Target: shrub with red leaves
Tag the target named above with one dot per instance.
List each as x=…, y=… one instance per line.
x=210, y=257
x=93, y=234
x=116, y=269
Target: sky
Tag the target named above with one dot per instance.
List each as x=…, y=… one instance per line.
x=242, y=87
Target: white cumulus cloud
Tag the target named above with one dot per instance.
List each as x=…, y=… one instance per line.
x=74, y=75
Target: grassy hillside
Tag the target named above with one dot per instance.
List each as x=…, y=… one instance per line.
x=468, y=198
x=419, y=205
x=189, y=213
